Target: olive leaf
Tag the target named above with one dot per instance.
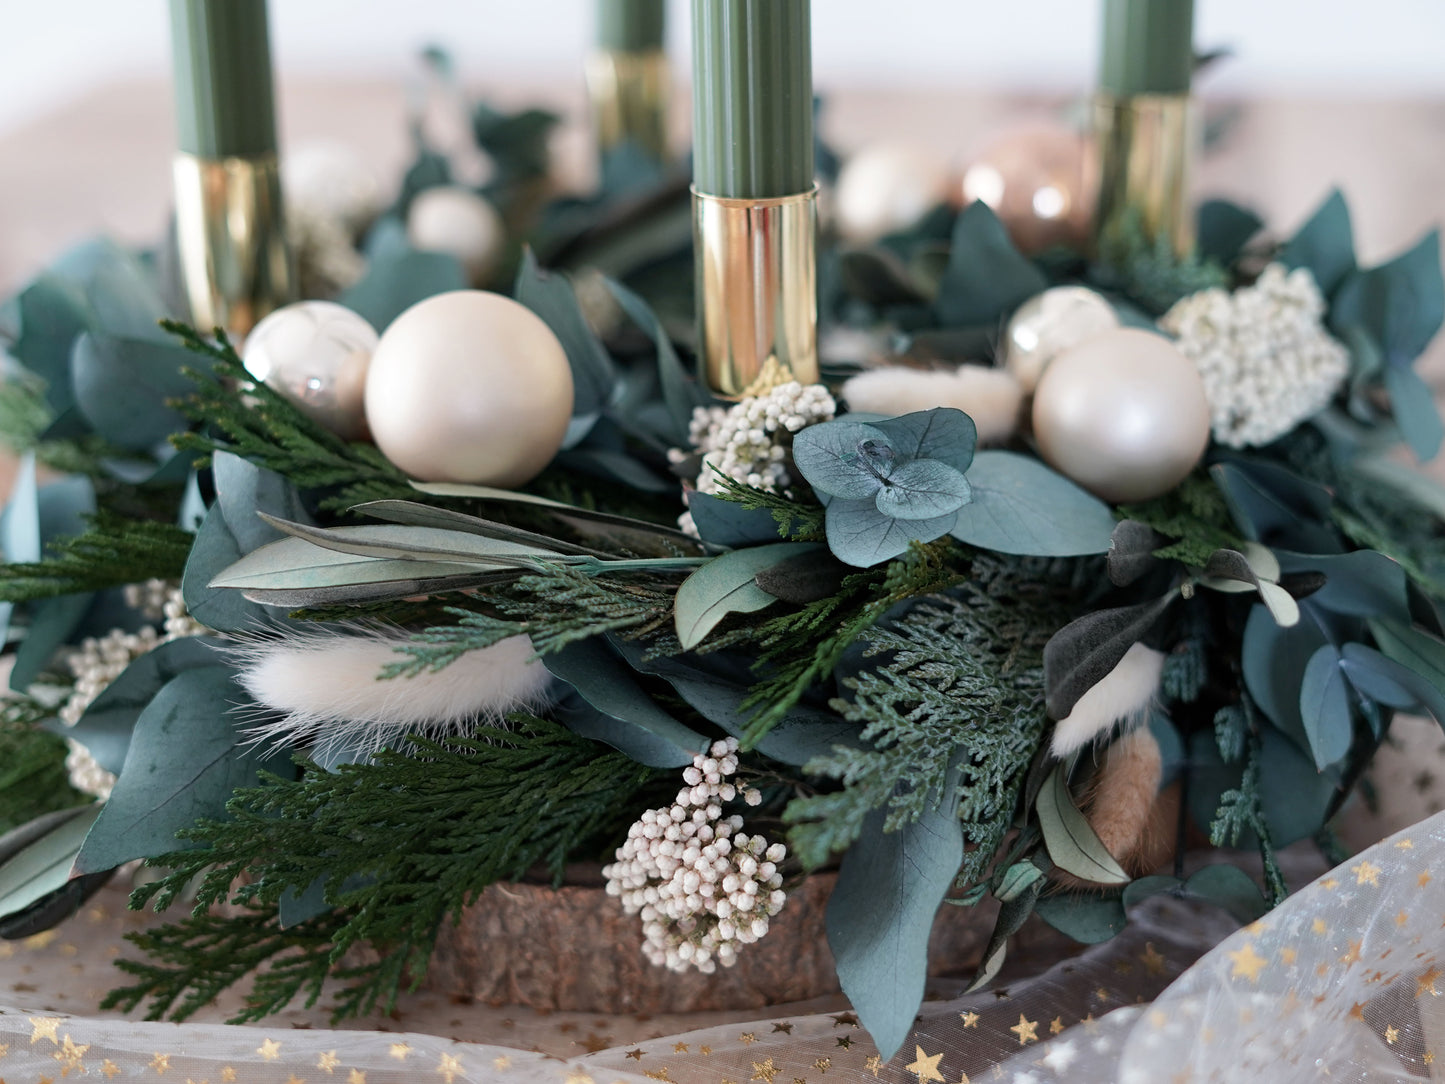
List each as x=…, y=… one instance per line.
x=726, y=585
x=1071, y=841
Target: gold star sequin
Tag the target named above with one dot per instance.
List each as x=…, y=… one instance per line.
x=1392, y=1034
x=399, y=1051
x=1329, y=884
x=845, y=1020
x=845, y=1041
x=1287, y=955
x=1404, y=845
x=1429, y=1057
x=4, y=1049
x=40, y=940
x=269, y=1049
x=764, y=1070
x=679, y=1048
x=1402, y=919
x=1423, y=879
x=1353, y=954
x=356, y=1076
x=1425, y=984
x=45, y=1027
x=1152, y=959
x=228, y=1075
x=1026, y=1029
x=328, y=1061
x=823, y=1065
x=291, y=1078
x=635, y=1054
x=970, y=1019
x=1247, y=963
x=503, y=1063
x=704, y=1050
x=1056, y=1025
x=1357, y=1011
x=925, y=1066
x=1319, y=927
x=1367, y=873
x=747, y=1038
x=69, y=1055
x=449, y=1068
x=578, y=1076
x=660, y=1074
x=160, y=1063
x=874, y=1063
x=110, y=1068
x=785, y=1027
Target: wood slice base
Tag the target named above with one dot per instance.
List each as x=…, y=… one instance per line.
x=573, y=949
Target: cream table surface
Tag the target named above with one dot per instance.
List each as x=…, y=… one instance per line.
x=101, y=165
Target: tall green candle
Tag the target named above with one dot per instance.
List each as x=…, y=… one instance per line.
x=1148, y=47
x=752, y=98
x=222, y=68
x=630, y=26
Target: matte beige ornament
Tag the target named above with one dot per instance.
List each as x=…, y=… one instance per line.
x=471, y=387
x=1050, y=323
x=315, y=353
x=1123, y=414
x=456, y=220
x=885, y=188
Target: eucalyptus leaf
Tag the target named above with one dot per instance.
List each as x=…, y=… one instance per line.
x=728, y=523
x=1020, y=506
x=860, y=535
x=1324, y=245
x=1273, y=661
x=398, y=278
x=1277, y=507
x=1295, y=800
x=123, y=386
x=186, y=758
x=214, y=550
x=552, y=298
x=44, y=866
x=1016, y=880
x=878, y=277
x=681, y=391
x=1400, y=304
x=1011, y=918
x=1089, y=920
x=1362, y=583
x=1228, y=887
x=614, y=708
x=1224, y=228
x=987, y=277
x=615, y=466
x=1071, y=841
x=922, y=489
x=53, y=622
x=1388, y=682
x=879, y=917
x=726, y=585
x=943, y=433
x=1325, y=707
x=243, y=490
x=829, y=455
x=1412, y=402
x=52, y=313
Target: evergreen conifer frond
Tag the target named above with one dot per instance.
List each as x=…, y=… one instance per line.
x=114, y=550
x=33, y=780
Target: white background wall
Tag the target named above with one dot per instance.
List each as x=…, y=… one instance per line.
x=53, y=50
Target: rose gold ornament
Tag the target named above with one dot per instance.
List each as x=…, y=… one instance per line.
x=1035, y=178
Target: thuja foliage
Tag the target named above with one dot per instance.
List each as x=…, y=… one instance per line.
x=796, y=521
x=112, y=551
x=264, y=428
x=401, y=845
x=33, y=779
x=1241, y=810
x=1148, y=269
x=1193, y=516
x=957, y=686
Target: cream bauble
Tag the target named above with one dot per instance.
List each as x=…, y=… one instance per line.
x=1048, y=324
x=886, y=188
x=469, y=386
x=458, y=221
x=1123, y=414
x=315, y=353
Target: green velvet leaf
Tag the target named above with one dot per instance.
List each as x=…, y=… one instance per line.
x=1079, y=655
x=987, y=277
x=1020, y=506
x=725, y=585
x=1071, y=841
x=1324, y=245
x=881, y=912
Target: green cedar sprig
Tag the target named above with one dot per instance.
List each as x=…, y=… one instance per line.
x=112, y=551
x=240, y=415
x=1194, y=515
x=33, y=779
x=1149, y=270
x=796, y=521
x=402, y=844
x=1241, y=809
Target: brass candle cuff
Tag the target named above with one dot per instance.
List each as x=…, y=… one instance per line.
x=757, y=291
x=1145, y=145
x=629, y=93
x=231, y=240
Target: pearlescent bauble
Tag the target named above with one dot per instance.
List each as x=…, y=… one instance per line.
x=315, y=353
x=1036, y=180
x=458, y=221
x=469, y=387
x=1122, y=414
x=1046, y=325
x=886, y=188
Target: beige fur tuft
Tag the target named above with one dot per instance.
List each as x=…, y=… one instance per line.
x=1122, y=695
x=991, y=397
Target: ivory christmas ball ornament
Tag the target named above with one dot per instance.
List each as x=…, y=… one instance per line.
x=885, y=188
x=471, y=387
x=316, y=354
x=1123, y=414
x=1048, y=324
x=456, y=220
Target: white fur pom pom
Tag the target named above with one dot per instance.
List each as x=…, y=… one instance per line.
x=1123, y=694
x=329, y=689
x=991, y=397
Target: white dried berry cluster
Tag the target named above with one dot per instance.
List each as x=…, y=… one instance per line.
x=702, y=886
x=1263, y=352
x=326, y=260
x=749, y=440
x=100, y=660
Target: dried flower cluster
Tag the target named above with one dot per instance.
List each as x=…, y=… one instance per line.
x=702, y=886
x=749, y=440
x=1265, y=357
x=100, y=660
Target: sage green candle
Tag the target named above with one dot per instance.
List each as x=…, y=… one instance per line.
x=752, y=98
x=225, y=104
x=1148, y=47
x=631, y=26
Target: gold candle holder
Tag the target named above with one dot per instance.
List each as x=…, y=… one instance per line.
x=629, y=93
x=230, y=235
x=1145, y=148
x=757, y=290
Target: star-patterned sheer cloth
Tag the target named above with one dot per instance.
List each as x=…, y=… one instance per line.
x=1343, y=981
